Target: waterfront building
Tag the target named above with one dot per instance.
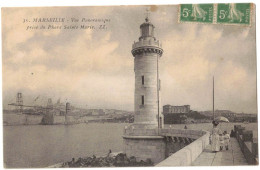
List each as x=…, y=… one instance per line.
x=169, y=109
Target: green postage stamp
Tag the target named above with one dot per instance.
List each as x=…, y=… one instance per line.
x=196, y=13
x=229, y=13
x=234, y=13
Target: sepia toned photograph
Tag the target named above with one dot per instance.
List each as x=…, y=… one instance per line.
x=129, y=86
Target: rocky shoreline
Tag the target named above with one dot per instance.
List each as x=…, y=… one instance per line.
x=111, y=160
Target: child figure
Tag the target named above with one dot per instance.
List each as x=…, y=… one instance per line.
x=226, y=139
x=221, y=141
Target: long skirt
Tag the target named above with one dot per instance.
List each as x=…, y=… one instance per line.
x=215, y=144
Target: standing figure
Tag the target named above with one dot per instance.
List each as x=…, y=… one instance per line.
x=215, y=143
x=226, y=139
x=221, y=141
x=234, y=13
x=198, y=12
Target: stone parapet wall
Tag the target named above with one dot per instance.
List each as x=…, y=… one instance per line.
x=194, y=134
x=247, y=143
x=188, y=154
x=137, y=130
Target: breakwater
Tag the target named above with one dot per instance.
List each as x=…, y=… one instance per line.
x=23, y=119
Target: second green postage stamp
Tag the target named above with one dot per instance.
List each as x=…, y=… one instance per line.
x=239, y=13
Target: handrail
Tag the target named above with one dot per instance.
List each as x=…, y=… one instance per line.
x=147, y=43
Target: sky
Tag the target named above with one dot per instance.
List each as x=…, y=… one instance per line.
x=95, y=68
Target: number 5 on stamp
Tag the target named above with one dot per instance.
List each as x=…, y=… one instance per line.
x=196, y=13
x=234, y=13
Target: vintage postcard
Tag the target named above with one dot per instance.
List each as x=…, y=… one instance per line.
x=129, y=86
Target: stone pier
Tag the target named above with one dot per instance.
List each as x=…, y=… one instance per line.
x=243, y=150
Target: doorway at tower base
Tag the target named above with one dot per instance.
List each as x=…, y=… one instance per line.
x=145, y=147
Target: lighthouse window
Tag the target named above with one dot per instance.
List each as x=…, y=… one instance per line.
x=142, y=100
x=142, y=80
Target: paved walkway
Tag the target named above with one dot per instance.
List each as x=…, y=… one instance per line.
x=231, y=157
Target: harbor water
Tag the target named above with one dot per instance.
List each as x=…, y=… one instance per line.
x=41, y=146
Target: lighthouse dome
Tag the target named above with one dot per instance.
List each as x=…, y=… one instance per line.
x=147, y=30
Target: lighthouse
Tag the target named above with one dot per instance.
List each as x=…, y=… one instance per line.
x=147, y=53
x=142, y=139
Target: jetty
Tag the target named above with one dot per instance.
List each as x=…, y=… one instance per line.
x=231, y=157
x=242, y=151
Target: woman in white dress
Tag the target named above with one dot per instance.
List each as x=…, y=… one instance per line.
x=215, y=143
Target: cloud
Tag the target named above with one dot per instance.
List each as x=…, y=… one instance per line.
x=194, y=54
x=82, y=69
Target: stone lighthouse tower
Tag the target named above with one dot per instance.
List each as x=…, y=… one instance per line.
x=142, y=138
x=147, y=52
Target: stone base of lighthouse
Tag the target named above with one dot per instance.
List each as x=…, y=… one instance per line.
x=144, y=143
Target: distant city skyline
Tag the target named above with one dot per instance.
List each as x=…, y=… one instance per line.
x=95, y=68
x=43, y=102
